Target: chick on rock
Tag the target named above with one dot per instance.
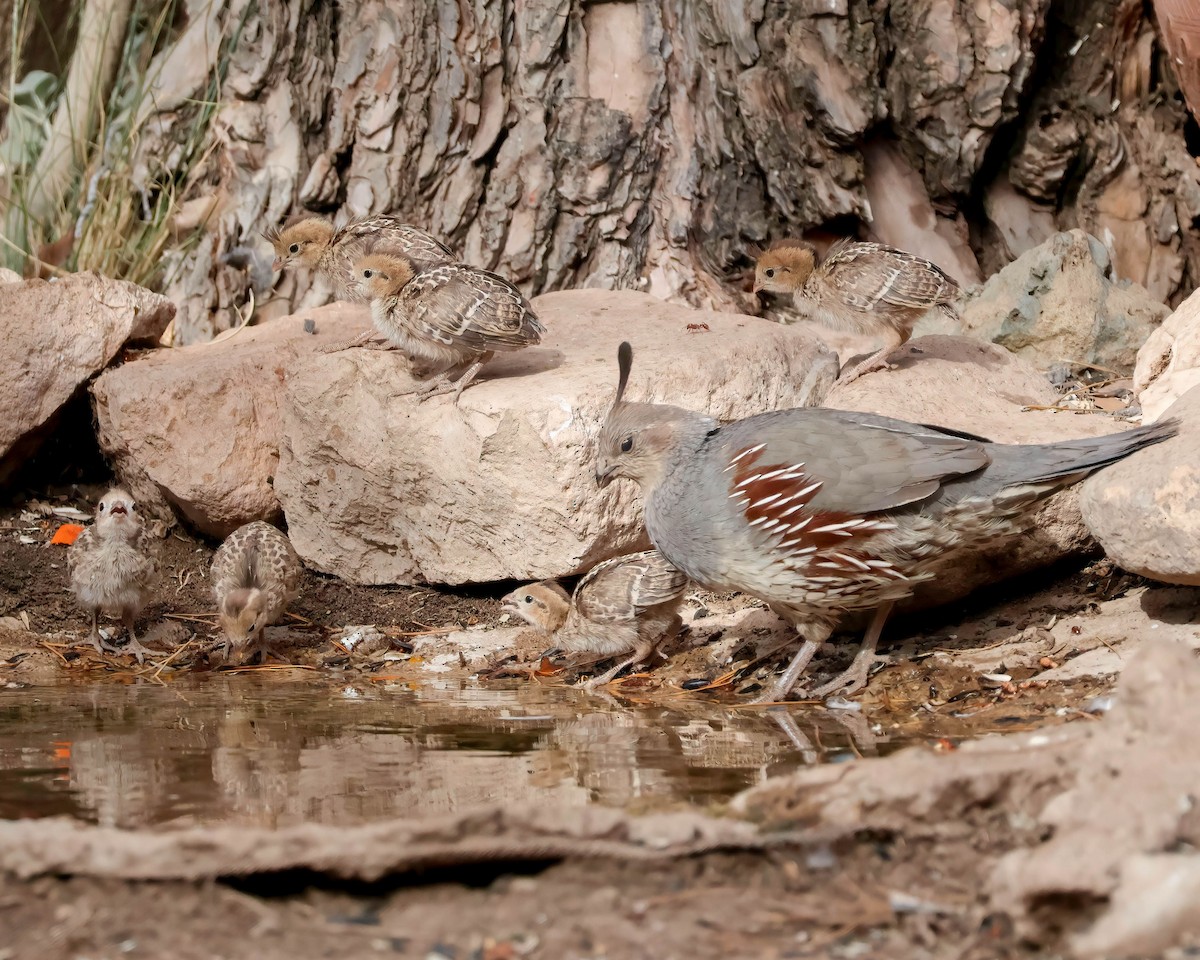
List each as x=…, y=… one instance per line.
x=864, y=288
x=112, y=568
x=627, y=603
x=451, y=316
x=255, y=575
x=312, y=241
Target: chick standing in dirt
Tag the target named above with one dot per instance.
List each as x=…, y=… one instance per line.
x=627, y=603
x=255, y=575
x=112, y=569
x=859, y=287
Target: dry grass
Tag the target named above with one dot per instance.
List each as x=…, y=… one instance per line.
x=112, y=211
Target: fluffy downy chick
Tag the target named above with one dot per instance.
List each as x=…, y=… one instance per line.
x=255, y=575
x=452, y=317
x=311, y=241
x=627, y=603
x=112, y=568
x=863, y=288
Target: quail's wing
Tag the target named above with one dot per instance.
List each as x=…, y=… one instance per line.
x=618, y=590
x=867, y=275
x=83, y=543
x=147, y=545
x=457, y=304
x=352, y=241
x=852, y=463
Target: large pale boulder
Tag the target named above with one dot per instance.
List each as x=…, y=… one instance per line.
x=196, y=429
x=378, y=488
x=1058, y=302
x=1145, y=511
x=1168, y=365
x=57, y=335
x=981, y=388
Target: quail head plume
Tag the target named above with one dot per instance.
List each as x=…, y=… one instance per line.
x=112, y=568
x=255, y=575
x=627, y=603
x=821, y=512
x=863, y=288
x=451, y=316
x=312, y=241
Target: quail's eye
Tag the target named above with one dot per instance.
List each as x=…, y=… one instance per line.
x=528, y=599
x=771, y=273
x=368, y=274
x=294, y=248
x=250, y=629
x=627, y=444
x=132, y=507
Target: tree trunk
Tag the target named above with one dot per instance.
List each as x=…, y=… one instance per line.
x=653, y=143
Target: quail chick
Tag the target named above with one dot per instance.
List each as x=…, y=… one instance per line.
x=255, y=575
x=112, y=568
x=864, y=288
x=313, y=242
x=821, y=512
x=451, y=316
x=627, y=603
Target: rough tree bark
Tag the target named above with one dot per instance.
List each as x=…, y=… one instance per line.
x=653, y=143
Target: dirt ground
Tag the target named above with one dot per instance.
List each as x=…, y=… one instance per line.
x=897, y=855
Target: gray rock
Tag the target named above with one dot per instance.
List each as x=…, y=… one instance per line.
x=1058, y=302
x=1144, y=509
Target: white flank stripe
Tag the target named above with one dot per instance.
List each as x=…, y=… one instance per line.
x=836, y=527
x=765, y=500
x=853, y=560
x=755, y=523
x=748, y=480
x=747, y=452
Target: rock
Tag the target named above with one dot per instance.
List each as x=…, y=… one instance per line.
x=981, y=388
x=1143, y=510
x=1021, y=222
x=196, y=429
x=1168, y=365
x=378, y=488
x=1132, y=795
x=9, y=276
x=1058, y=302
x=58, y=334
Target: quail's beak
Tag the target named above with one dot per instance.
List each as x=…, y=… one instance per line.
x=277, y=263
x=603, y=476
x=758, y=288
x=118, y=509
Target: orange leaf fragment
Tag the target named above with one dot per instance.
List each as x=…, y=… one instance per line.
x=68, y=533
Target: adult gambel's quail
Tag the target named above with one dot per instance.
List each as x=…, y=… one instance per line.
x=313, y=242
x=627, y=603
x=112, y=567
x=451, y=316
x=819, y=512
x=864, y=288
x=255, y=575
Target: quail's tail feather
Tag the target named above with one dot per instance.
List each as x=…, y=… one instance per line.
x=1058, y=464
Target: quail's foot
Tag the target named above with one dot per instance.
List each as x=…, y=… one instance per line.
x=851, y=680
x=603, y=679
x=97, y=641
x=784, y=683
x=877, y=362
x=368, y=338
x=132, y=645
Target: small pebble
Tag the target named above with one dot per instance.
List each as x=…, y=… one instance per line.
x=310, y=325
x=841, y=703
x=1099, y=705
x=694, y=684
x=700, y=614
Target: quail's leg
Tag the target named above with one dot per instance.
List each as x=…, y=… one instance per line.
x=443, y=384
x=132, y=645
x=97, y=641
x=785, y=681
x=641, y=653
x=264, y=650
x=855, y=677
x=371, y=338
x=877, y=360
